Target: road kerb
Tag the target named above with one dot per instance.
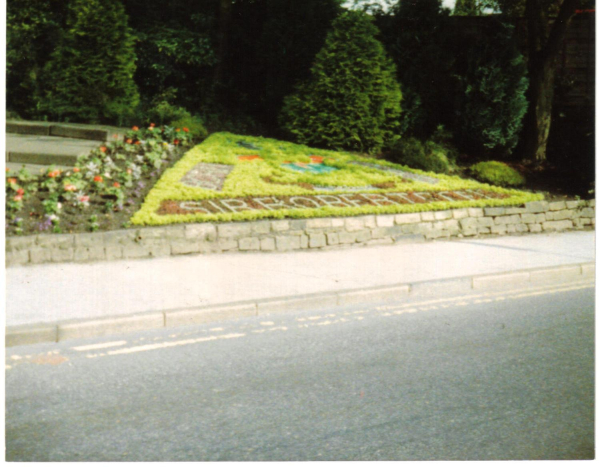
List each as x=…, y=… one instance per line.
x=27, y=334
x=208, y=314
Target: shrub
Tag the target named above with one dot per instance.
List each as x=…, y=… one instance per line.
x=352, y=99
x=490, y=95
x=429, y=156
x=90, y=75
x=194, y=124
x=497, y=173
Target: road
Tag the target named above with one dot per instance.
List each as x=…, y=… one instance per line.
x=505, y=375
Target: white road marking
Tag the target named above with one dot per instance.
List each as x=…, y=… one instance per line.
x=163, y=345
x=104, y=345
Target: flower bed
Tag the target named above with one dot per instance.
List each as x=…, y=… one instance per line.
x=232, y=178
x=100, y=193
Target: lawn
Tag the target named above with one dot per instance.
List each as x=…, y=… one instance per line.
x=235, y=178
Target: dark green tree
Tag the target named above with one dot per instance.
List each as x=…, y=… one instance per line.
x=490, y=93
x=352, y=99
x=416, y=38
x=33, y=29
x=90, y=75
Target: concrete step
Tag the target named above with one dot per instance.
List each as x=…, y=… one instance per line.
x=103, y=133
x=46, y=150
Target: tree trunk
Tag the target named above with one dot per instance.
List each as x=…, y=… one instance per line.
x=539, y=115
x=544, y=47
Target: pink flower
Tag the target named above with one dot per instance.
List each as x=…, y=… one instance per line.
x=70, y=187
x=18, y=198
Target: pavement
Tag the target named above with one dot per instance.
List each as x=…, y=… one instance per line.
x=51, y=302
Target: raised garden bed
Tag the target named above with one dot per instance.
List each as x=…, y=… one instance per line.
x=235, y=178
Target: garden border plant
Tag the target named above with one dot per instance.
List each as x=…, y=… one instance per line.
x=102, y=186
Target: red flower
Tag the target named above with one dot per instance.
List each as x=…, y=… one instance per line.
x=138, y=142
x=176, y=142
x=177, y=129
x=12, y=181
x=98, y=178
x=18, y=198
x=75, y=169
x=129, y=141
x=152, y=125
x=135, y=128
x=54, y=173
x=21, y=191
x=103, y=148
x=187, y=130
x=116, y=184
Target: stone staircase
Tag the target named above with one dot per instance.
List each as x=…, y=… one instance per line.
x=37, y=145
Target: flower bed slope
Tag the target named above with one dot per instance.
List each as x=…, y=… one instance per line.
x=235, y=178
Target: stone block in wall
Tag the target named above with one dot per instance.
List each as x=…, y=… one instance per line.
x=522, y=228
x=337, y=223
x=280, y=225
x=136, y=251
x=500, y=229
x=586, y=212
x=475, y=212
x=363, y=236
x=261, y=227
x=317, y=240
x=333, y=238
x=511, y=228
x=354, y=224
x=460, y=213
x=484, y=230
x=40, y=255
x=112, y=252
x=485, y=222
x=286, y=243
x=539, y=218
x=199, y=232
x=119, y=237
x=515, y=210
x=369, y=221
x=181, y=247
x=468, y=223
x=20, y=243
x=560, y=215
x=427, y=216
x=536, y=206
x=303, y=241
x=94, y=253
x=321, y=223
x=60, y=241
x=89, y=240
x=514, y=219
x=249, y=243
x=267, y=244
x=442, y=215
x=535, y=228
x=573, y=204
x=557, y=225
x=494, y=211
x=234, y=231
x=298, y=224
x=528, y=218
x=16, y=258
x=62, y=255
x=384, y=221
x=556, y=205
x=410, y=218
x=227, y=244
x=346, y=237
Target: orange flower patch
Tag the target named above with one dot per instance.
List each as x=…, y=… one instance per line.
x=250, y=158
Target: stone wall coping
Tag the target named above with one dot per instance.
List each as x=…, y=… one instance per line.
x=297, y=234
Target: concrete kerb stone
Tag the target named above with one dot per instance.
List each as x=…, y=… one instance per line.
x=96, y=327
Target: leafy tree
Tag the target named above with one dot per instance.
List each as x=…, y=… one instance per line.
x=490, y=96
x=33, y=29
x=352, y=99
x=90, y=75
x=416, y=38
x=543, y=43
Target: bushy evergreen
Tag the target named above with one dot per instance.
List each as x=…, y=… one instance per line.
x=352, y=99
x=490, y=98
x=90, y=75
x=497, y=173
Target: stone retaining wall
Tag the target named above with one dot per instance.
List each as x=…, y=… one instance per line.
x=297, y=234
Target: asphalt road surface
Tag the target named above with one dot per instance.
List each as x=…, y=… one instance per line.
x=506, y=375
